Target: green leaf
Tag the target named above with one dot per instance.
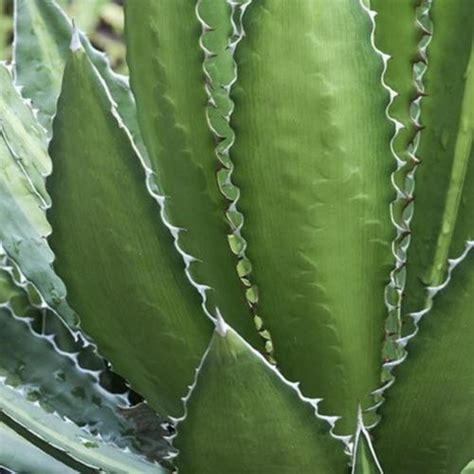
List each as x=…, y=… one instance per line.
x=364, y=459
x=39, y=356
x=167, y=78
x=124, y=276
x=74, y=443
x=469, y=469
x=42, y=36
x=312, y=159
x=398, y=34
x=23, y=135
x=21, y=456
x=33, y=363
x=427, y=419
x=243, y=417
x=23, y=162
x=443, y=214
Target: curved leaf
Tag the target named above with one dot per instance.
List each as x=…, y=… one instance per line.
x=66, y=437
x=313, y=162
x=427, y=419
x=167, y=78
x=23, y=162
x=18, y=454
x=23, y=135
x=66, y=380
x=124, y=276
x=443, y=213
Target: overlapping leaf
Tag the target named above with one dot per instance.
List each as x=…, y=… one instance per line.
x=427, y=417
x=167, y=78
x=443, y=215
x=240, y=401
x=124, y=276
x=42, y=36
x=66, y=440
x=313, y=163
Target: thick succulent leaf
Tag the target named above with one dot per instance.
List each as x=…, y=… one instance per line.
x=23, y=162
x=124, y=276
x=243, y=417
x=20, y=455
x=23, y=231
x=443, y=216
x=167, y=78
x=23, y=154
x=23, y=135
x=42, y=36
x=54, y=379
x=66, y=437
x=364, y=459
x=312, y=159
x=63, y=376
x=427, y=419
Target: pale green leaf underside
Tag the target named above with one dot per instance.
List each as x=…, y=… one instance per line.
x=427, y=417
x=23, y=135
x=68, y=438
x=167, y=78
x=243, y=418
x=40, y=357
x=313, y=164
x=23, y=161
x=124, y=276
x=444, y=181
x=30, y=362
x=20, y=455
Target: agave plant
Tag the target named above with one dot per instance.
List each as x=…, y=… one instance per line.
x=256, y=257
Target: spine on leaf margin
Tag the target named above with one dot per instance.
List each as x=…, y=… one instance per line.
x=402, y=208
x=218, y=43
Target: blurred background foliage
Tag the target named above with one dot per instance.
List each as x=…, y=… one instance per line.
x=101, y=20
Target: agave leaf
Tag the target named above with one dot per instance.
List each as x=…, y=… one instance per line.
x=42, y=36
x=23, y=162
x=71, y=441
x=23, y=135
x=167, y=78
x=33, y=363
x=313, y=161
x=23, y=231
x=124, y=276
x=243, y=417
x=364, y=459
x=67, y=382
x=427, y=418
x=401, y=34
x=443, y=214
x=20, y=455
